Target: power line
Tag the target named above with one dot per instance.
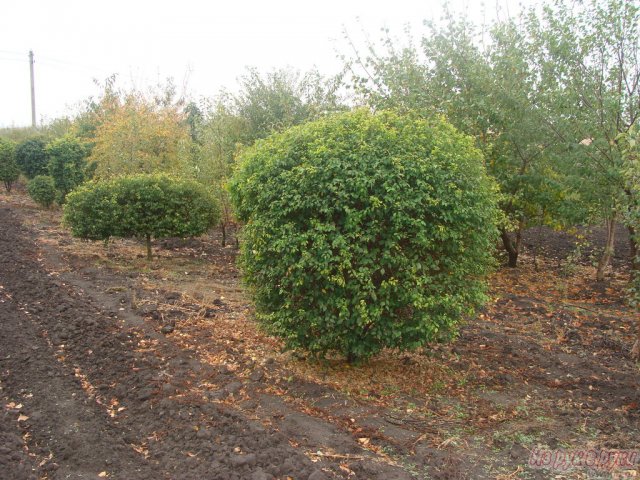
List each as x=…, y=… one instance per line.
x=51, y=61
x=13, y=56
x=9, y=52
x=4, y=59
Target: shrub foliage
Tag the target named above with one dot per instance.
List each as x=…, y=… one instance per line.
x=42, y=190
x=67, y=163
x=31, y=157
x=143, y=206
x=365, y=231
x=9, y=171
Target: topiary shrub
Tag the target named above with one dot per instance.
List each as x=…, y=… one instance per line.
x=31, y=157
x=67, y=163
x=143, y=206
x=42, y=190
x=9, y=171
x=365, y=231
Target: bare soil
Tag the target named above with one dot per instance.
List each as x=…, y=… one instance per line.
x=115, y=367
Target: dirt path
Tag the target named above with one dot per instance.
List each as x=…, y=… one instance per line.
x=89, y=392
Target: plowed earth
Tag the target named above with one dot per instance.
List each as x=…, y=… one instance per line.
x=114, y=367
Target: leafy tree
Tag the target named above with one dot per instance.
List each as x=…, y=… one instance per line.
x=365, y=231
x=58, y=127
x=31, y=157
x=266, y=103
x=67, y=163
x=42, y=190
x=194, y=119
x=489, y=93
x=630, y=147
x=18, y=134
x=139, y=136
x=142, y=206
x=94, y=111
x=277, y=100
x=219, y=135
x=589, y=70
x=9, y=171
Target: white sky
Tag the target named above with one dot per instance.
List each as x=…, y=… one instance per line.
x=205, y=44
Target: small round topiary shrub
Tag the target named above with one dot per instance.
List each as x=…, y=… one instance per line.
x=365, y=231
x=143, y=206
x=67, y=163
x=42, y=190
x=31, y=157
x=9, y=171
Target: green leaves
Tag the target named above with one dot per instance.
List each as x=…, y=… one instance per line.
x=42, y=190
x=9, y=171
x=365, y=231
x=486, y=89
x=31, y=157
x=143, y=206
x=67, y=163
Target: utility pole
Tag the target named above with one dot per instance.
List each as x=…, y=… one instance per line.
x=33, y=91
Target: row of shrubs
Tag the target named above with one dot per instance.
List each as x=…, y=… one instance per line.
x=61, y=163
x=362, y=231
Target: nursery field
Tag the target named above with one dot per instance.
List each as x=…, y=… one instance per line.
x=114, y=366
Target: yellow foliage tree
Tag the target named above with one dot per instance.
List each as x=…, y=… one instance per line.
x=140, y=136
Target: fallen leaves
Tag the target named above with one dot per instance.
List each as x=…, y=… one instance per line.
x=364, y=441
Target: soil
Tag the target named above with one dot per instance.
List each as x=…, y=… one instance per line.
x=86, y=397
x=115, y=367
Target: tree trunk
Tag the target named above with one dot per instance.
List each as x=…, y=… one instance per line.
x=633, y=246
x=512, y=248
x=635, y=351
x=608, y=248
x=149, y=252
x=224, y=234
x=635, y=271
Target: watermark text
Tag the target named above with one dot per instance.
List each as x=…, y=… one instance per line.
x=595, y=459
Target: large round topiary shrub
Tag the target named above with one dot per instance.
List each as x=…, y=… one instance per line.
x=365, y=231
x=42, y=190
x=143, y=206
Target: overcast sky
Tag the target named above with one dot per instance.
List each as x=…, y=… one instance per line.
x=203, y=44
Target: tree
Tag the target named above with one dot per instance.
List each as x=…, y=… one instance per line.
x=589, y=69
x=96, y=110
x=218, y=135
x=9, y=171
x=630, y=146
x=277, y=100
x=31, y=157
x=139, y=136
x=67, y=163
x=487, y=91
x=266, y=103
x=142, y=206
x=365, y=231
